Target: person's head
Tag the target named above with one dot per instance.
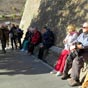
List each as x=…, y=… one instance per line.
x=12, y=25
x=34, y=29
x=2, y=25
x=30, y=29
x=85, y=27
x=71, y=28
x=44, y=29
x=17, y=26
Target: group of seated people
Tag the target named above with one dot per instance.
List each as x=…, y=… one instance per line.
x=73, y=55
x=33, y=37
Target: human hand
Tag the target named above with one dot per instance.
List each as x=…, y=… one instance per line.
x=72, y=47
x=64, y=41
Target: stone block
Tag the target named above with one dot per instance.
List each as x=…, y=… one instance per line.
x=52, y=55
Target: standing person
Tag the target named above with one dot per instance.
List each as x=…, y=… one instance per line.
x=3, y=37
x=19, y=36
x=77, y=56
x=13, y=36
x=7, y=34
x=47, y=41
x=71, y=36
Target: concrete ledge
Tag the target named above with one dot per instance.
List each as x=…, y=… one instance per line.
x=51, y=55
x=55, y=49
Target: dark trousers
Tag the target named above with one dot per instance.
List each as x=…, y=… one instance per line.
x=31, y=48
x=19, y=41
x=41, y=52
x=13, y=41
x=3, y=42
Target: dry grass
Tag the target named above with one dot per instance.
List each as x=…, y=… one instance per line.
x=11, y=6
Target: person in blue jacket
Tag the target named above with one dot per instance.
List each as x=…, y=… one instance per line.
x=47, y=41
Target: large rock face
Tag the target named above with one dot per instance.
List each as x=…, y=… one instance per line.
x=56, y=14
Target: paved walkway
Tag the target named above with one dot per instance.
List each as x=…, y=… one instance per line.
x=19, y=70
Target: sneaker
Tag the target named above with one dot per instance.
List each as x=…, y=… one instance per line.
x=53, y=72
x=22, y=50
x=73, y=82
x=58, y=73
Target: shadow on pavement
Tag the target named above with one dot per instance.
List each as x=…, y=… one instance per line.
x=15, y=62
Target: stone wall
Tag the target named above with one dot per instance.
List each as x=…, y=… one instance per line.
x=56, y=14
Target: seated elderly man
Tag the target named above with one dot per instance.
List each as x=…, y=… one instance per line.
x=76, y=58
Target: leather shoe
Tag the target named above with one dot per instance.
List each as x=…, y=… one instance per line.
x=73, y=82
x=64, y=77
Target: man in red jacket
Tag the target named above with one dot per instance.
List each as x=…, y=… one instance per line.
x=35, y=40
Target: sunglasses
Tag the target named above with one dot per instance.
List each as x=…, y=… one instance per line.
x=84, y=27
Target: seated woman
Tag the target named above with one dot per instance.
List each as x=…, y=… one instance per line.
x=71, y=36
x=27, y=39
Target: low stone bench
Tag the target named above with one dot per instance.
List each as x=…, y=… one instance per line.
x=50, y=56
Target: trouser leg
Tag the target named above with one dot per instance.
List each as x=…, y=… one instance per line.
x=12, y=43
x=19, y=41
x=76, y=67
x=68, y=63
x=63, y=61
x=41, y=51
x=15, y=42
x=31, y=48
x=3, y=45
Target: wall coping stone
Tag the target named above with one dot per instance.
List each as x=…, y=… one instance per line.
x=55, y=49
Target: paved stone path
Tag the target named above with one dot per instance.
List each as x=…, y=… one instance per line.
x=19, y=70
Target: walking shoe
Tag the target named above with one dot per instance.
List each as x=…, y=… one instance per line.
x=73, y=82
x=64, y=77
x=53, y=72
x=22, y=50
x=58, y=73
